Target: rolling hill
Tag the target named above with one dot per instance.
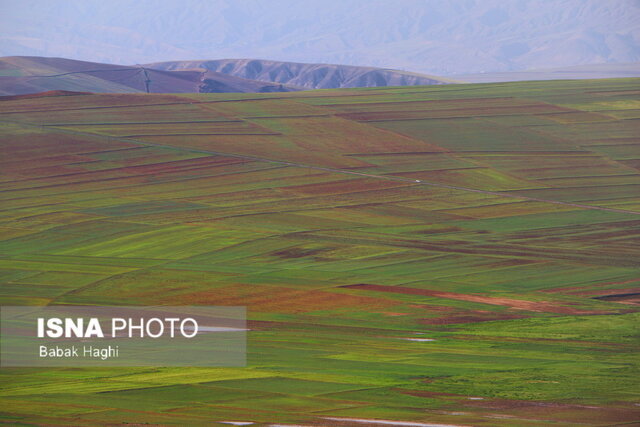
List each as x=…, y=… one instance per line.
x=21, y=75
x=309, y=76
x=434, y=255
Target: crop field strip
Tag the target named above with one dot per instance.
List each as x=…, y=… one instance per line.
x=507, y=275
x=128, y=138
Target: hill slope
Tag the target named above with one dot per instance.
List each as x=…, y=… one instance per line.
x=21, y=75
x=310, y=76
x=457, y=255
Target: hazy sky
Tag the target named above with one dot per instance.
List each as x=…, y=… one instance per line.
x=434, y=36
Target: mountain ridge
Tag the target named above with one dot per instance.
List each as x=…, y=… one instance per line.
x=306, y=75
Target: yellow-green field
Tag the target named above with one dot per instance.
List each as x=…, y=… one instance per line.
x=460, y=254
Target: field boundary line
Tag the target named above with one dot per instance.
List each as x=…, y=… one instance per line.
x=326, y=169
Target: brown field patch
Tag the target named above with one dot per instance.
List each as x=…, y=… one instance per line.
x=538, y=306
x=10, y=166
x=451, y=316
x=563, y=412
x=281, y=299
x=28, y=147
x=535, y=410
x=90, y=102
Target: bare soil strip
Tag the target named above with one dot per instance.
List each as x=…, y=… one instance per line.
x=516, y=304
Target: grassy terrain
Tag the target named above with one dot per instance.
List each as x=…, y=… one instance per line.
x=461, y=254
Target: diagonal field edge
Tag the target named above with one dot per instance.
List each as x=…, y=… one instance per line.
x=320, y=168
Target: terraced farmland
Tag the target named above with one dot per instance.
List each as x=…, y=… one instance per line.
x=462, y=255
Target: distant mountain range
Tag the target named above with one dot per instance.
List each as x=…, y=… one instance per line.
x=23, y=75
x=428, y=36
x=308, y=76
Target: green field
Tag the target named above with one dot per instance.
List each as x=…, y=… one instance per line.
x=459, y=254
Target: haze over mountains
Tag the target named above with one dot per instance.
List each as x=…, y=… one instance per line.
x=577, y=72
x=427, y=36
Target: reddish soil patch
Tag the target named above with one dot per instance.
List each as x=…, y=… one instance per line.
x=297, y=253
x=281, y=299
x=570, y=413
x=451, y=316
x=539, y=306
x=624, y=282
x=535, y=410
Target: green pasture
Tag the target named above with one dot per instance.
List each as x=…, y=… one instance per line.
x=483, y=308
